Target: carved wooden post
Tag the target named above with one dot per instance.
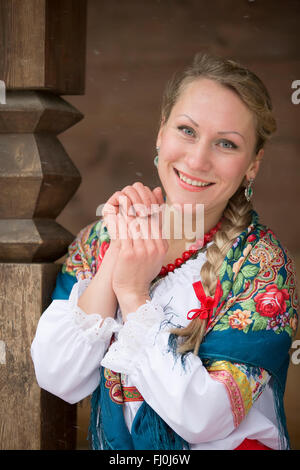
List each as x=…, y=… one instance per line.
x=42, y=56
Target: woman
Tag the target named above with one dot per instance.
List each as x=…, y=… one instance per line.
x=196, y=356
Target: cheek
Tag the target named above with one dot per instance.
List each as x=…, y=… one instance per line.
x=170, y=152
x=231, y=169
x=171, y=148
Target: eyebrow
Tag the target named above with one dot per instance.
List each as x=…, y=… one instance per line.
x=231, y=132
x=195, y=124
x=220, y=132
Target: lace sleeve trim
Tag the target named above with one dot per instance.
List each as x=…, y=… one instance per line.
x=139, y=331
x=93, y=327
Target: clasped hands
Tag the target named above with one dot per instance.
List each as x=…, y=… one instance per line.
x=133, y=218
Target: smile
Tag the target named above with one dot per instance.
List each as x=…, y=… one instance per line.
x=191, y=184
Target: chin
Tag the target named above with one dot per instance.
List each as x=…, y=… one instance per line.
x=184, y=203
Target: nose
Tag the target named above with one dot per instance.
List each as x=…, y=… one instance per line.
x=199, y=157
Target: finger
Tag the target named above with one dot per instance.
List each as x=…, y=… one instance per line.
x=123, y=233
x=136, y=233
x=145, y=241
x=120, y=201
x=136, y=205
x=153, y=238
x=139, y=228
x=134, y=228
x=147, y=196
x=133, y=199
x=150, y=231
x=110, y=221
x=112, y=205
x=159, y=195
x=141, y=198
x=156, y=230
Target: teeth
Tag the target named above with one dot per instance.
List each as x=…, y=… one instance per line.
x=192, y=182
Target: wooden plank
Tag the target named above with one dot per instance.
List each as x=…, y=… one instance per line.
x=65, y=46
x=30, y=418
x=42, y=45
x=22, y=51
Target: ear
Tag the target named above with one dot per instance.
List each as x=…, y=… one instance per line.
x=255, y=164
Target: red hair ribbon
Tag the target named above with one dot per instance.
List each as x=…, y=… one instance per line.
x=207, y=303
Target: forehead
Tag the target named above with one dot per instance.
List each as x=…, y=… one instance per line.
x=207, y=101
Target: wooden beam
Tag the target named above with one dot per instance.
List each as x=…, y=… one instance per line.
x=43, y=45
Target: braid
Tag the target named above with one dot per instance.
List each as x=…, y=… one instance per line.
x=236, y=217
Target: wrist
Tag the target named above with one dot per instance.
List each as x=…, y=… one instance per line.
x=130, y=301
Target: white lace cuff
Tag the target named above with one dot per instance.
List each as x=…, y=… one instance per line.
x=89, y=324
x=139, y=331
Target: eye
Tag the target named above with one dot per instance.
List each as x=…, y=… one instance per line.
x=227, y=144
x=187, y=130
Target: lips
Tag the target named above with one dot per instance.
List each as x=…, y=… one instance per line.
x=190, y=187
x=194, y=178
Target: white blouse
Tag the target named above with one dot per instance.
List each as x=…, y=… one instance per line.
x=69, y=347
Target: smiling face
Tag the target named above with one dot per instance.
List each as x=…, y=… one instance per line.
x=209, y=137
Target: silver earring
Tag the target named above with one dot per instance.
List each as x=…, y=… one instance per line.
x=249, y=190
x=156, y=158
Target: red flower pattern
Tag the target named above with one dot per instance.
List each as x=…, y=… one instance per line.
x=103, y=248
x=272, y=302
x=251, y=238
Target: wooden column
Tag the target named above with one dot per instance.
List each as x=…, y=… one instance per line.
x=42, y=56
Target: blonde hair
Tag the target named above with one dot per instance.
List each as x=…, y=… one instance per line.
x=237, y=214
